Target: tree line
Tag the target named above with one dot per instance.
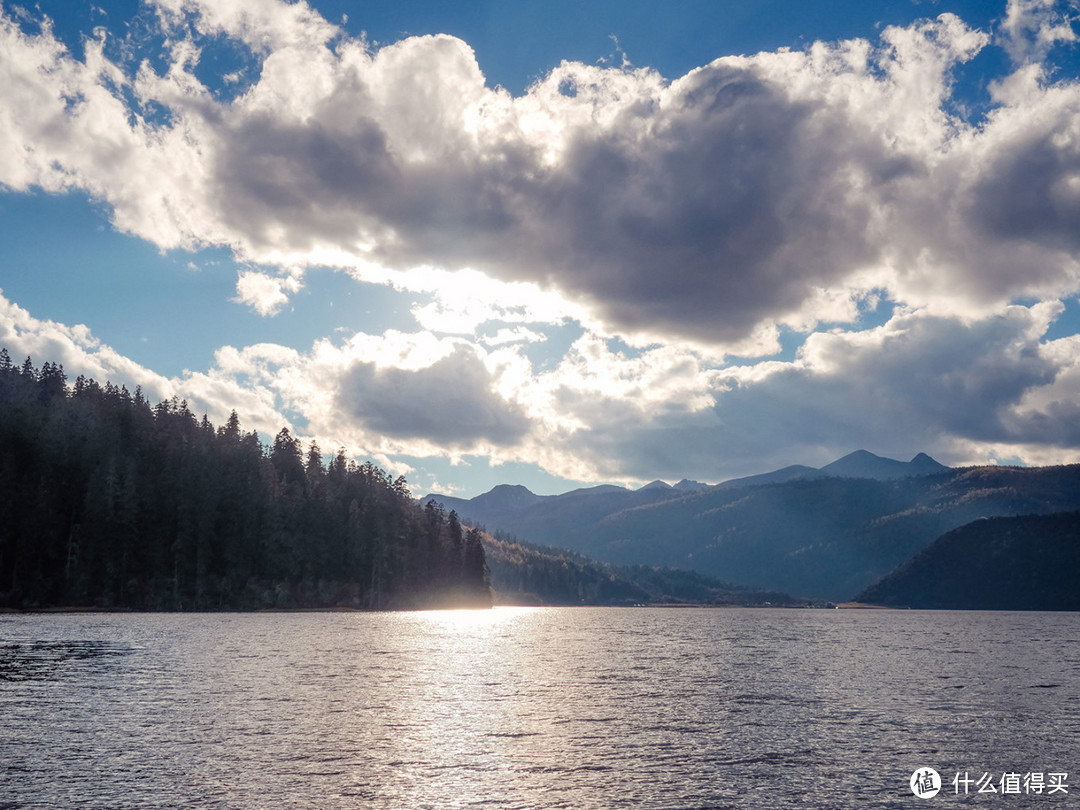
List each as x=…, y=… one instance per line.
x=525, y=573
x=109, y=501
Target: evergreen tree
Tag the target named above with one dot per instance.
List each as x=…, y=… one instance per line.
x=111, y=502
x=286, y=458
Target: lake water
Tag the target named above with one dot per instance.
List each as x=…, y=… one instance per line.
x=536, y=708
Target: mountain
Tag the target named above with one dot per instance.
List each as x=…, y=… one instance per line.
x=864, y=464
x=506, y=497
x=922, y=464
x=1030, y=562
x=792, y=473
x=508, y=501
x=580, y=506
x=860, y=464
x=812, y=535
x=686, y=485
x=658, y=485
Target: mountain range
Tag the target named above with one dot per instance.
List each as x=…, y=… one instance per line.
x=860, y=464
x=824, y=533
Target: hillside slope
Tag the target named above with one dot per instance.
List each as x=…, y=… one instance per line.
x=1009, y=563
x=524, y=574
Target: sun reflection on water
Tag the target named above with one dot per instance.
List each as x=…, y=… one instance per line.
x=472, y=618
x=543, y=708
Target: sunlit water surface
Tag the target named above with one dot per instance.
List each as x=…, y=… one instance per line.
x=533, y=708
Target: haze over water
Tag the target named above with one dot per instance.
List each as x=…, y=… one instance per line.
x=533, y=708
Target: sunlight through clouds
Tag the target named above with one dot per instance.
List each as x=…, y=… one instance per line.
x=613, y=275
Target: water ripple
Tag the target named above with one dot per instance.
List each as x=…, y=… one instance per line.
x=539, y=708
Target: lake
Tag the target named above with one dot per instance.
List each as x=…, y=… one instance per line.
x=539, y=708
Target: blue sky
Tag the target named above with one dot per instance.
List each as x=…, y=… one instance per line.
x=562, y=243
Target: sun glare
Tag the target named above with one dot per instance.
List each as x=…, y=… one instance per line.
x=474, y=618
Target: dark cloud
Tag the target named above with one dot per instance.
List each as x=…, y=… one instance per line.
x=938, y=374
x=700, y=217
x=921, y=383
x=727, y=212
x=316, y=182
x=1031, y=192
x=451, y=403
x=705, y=208
x=1057, y=424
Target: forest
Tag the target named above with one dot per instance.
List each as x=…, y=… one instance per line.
x=112, y=502
x=1022, y=562
x=528, y=574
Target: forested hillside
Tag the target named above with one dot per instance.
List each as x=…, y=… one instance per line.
x=110, y=501
x=1030, y=562
x=522, y=573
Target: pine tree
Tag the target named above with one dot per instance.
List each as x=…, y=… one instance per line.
x=286, y=458
x=110, y=501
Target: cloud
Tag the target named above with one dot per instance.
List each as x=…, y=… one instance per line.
x=917, y=377
x=215, y=393
x=265, y=294
x=1027, y=192
x=391, y=394
x=460, y=302
x=706, y=209
x=1046, y=420
x=76, y=349
x=693, y=219
x=968, y=391
x=517, y=335
x=451, y=403
x=1031, y=28
x=263, y=25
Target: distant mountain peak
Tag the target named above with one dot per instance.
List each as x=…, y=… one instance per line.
x=505, y=496
x=864, y=464
x=499, y=498
x=686, y=485
x=925, y=464
x=505, y=489
x=858, y=457
x=657, y=484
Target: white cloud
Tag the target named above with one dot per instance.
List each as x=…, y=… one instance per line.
x=265, y=294
x=263, y=25
x=76, y=349
x=517, y=335
x=754, y=191
x=462, y=301
x=216, y=393
x=1032, y=27
x=390, y=394
x=690, y=218
x=968, y=391
x=1045, y=424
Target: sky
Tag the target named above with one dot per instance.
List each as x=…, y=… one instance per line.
x=558, y=243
